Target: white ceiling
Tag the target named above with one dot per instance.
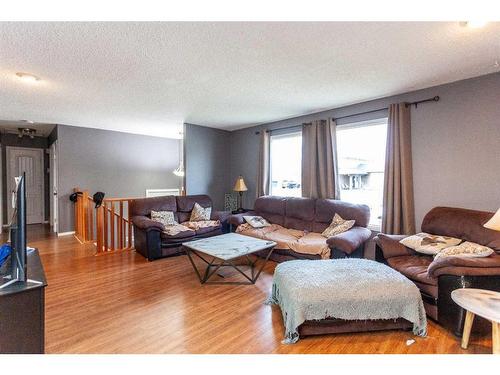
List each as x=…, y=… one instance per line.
x=149, y=78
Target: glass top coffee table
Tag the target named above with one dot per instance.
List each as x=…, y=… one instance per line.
x=223, y=251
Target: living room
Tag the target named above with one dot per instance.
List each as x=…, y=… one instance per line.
x=250, y=187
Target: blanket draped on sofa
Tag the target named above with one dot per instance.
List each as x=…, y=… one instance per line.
x=289, y=239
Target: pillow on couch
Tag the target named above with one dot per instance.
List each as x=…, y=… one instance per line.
x=429, y=244
x=337, y=226
x=466, y=250
x=167, y=218
x=200, y=214
x=256, y=221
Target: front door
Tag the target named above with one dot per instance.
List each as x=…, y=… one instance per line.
x=30, y=161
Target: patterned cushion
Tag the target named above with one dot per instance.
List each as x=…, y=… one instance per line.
x=429, y=244
x=337, y=226
x=256, y=221
x=165, y=217
x=466, y=250
x=200, y=214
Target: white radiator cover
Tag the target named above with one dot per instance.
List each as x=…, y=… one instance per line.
x=161, y=192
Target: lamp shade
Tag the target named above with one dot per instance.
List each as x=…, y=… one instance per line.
x=240, y=185
x=494, y=222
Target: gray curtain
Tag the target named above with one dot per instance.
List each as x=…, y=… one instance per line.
x=399, y=211
x=319, y=164
x=263, y=167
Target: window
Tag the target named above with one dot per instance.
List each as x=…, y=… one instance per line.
x=361, y=164
x=286, y=164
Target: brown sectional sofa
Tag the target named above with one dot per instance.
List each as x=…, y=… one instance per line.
x=437, y=279
x=312, y=215
x=149, y=237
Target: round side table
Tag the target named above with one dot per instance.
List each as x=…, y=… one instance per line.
x=484, y=303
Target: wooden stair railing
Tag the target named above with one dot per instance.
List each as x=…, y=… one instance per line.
x=108, y=226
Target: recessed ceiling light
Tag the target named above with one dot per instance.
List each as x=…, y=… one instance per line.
x=28, y=78
x=474, y=24
x=28, y=121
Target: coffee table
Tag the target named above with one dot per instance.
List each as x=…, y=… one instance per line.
x=485, y=303
x=223, y=251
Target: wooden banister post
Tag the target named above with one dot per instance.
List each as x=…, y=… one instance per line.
x=121, y=242
x=112, y=226
x=129, y=225
x=91, y=219
x=84, y=215
x=106, y=225
x=100, y=229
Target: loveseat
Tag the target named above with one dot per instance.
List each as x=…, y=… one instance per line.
x=150, y=238
x=436, y=279
x=309, y=216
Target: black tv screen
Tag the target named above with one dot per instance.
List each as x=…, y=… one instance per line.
x=17, y=266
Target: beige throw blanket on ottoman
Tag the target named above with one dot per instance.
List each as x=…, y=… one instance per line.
x=348, y=289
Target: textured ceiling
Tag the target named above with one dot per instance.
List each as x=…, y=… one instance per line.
x=149, y=78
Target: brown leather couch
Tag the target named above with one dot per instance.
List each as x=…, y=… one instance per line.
x=437, y=279
x=313, y=215
x=149, y=238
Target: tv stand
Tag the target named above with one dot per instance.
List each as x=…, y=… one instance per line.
x=22, y=311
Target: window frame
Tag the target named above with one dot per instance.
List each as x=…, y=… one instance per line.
x=282, y=133
x=361, y=124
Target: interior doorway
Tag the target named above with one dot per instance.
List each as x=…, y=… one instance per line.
x=53, y=187
x=21, y=160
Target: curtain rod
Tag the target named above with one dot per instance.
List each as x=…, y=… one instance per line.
x=416, y=103
x=433, y=99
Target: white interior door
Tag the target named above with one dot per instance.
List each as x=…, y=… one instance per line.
x=30, y=161
x=53, y=187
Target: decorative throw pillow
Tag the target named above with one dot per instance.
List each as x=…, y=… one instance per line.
x=257, y=221
x=200, y=214
x=337, y=226
x=429, y=244
x=466, y=250
x=165, y=217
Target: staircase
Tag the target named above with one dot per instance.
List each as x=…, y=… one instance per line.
x=109, y=226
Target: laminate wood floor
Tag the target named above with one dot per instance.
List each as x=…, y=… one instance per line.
x=121, y=303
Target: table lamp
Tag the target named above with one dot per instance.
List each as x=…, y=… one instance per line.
x=494, y=222
x=240, y=187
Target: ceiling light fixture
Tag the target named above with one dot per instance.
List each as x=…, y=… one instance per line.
x=21, y=132
x=28, y=78
x=474, y=24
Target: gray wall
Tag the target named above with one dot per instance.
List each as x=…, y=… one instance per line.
x=206, y=161
x=456, y=153
x=13, y=140
x=52, y=137
x=119, y=164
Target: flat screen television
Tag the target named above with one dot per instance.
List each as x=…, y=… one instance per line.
x=17, y=268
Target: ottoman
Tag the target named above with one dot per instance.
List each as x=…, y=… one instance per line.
x=344, y=295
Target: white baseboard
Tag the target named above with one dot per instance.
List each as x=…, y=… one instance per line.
x=60, y=234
